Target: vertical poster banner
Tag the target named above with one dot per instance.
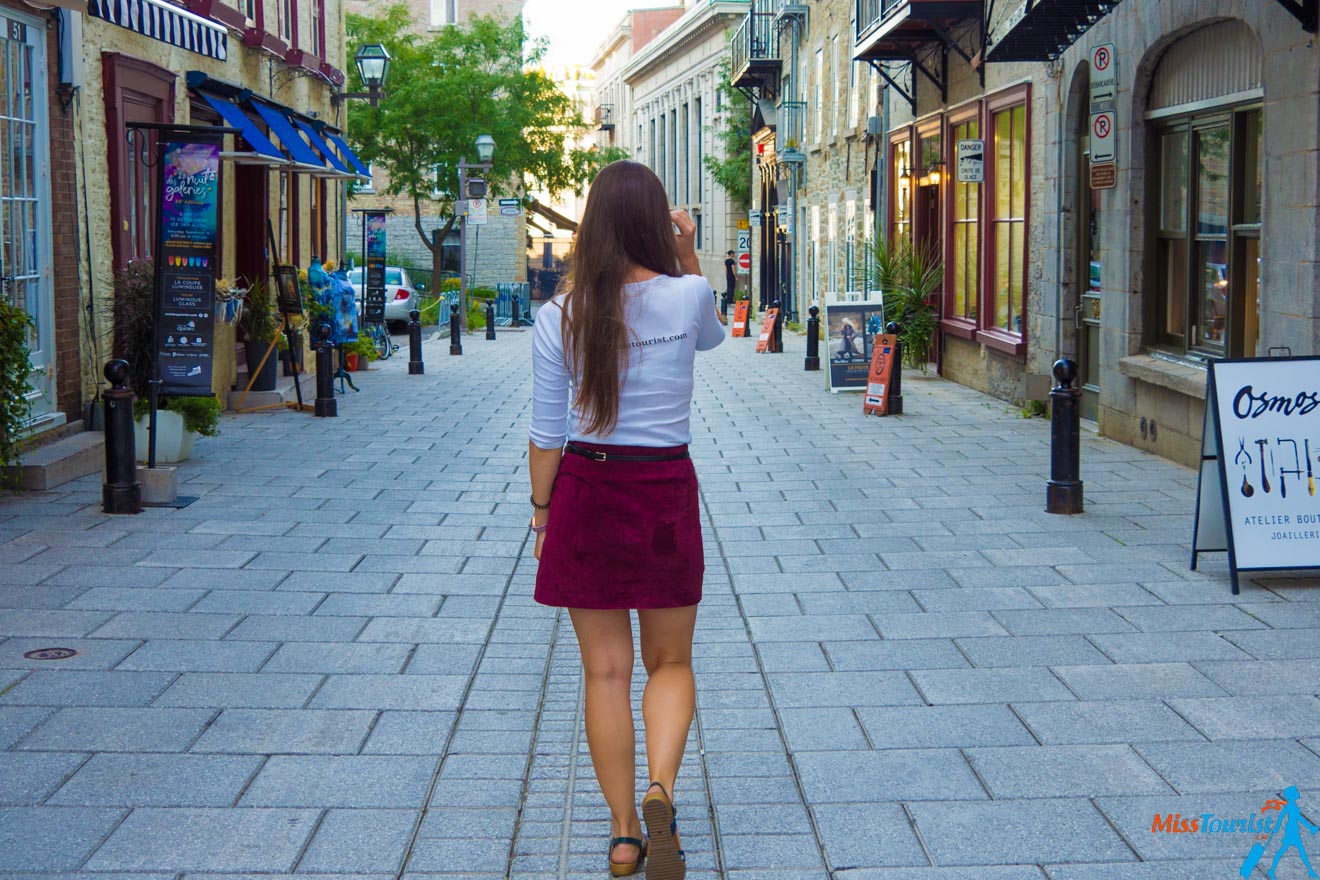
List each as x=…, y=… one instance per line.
x=849, y=329
x=373, y=306
x=185, y=301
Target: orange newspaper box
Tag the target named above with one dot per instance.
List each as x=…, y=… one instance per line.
x=764, y=340
x=740, y=323
x=876, y=400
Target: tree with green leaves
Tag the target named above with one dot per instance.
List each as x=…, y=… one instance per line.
x=448, y=87
x=732, y=165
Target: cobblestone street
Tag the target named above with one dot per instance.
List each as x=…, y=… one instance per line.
x=331, y=664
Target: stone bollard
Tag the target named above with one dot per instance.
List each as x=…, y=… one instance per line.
x=490, y=319
x=326, y=407
x=896, y=377
x=813, y=340
x=455, y=337
x=415, y=365
x=120, y=491
x=1063, y=492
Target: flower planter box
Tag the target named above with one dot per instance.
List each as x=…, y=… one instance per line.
x=173, y=443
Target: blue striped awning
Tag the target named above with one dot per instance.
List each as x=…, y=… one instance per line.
x=293, y=143
x=351, y=157
x=165, y=22
x=263, y=151
x=339, y=168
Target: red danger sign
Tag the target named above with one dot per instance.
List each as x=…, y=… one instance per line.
x=745, y=261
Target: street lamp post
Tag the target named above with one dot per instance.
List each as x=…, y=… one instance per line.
x=476, y=188
x=372, y=61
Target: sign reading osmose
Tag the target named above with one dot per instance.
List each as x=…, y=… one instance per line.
x=1268, y=427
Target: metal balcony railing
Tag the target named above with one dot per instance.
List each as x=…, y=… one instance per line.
x=789, y=133
x=754, y=41
x=870, y=13
x=784, y=8
x=605, y=116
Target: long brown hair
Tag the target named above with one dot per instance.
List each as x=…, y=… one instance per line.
x=626, y=224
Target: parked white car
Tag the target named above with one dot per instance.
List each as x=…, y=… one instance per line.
x=400, y=292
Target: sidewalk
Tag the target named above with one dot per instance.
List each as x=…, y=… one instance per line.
x=330, y=663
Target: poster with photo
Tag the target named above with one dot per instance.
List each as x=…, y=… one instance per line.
x=185, y=302
x=849, y=329
x=373, y=291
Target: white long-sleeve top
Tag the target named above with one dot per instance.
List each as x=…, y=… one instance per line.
x=669, y=321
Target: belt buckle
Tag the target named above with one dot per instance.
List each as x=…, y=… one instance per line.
x=598, y=455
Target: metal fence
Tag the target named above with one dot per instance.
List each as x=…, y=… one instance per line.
x=871, y=12
x=505, y=295
x=754, y=40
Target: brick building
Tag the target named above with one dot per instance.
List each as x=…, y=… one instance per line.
x=39, y=202
x=864, y=109
x=496, y=251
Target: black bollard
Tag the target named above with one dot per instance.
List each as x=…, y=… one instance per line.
x=415, y=365
x=777, y=332
x=455, y=340
x=1063, y=492
x=517, y=306
x=896, y=377
x=326, y=407
x=813, y=340
x=490, y=319
x=120, y=492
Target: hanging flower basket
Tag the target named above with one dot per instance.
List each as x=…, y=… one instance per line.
x=228, y=301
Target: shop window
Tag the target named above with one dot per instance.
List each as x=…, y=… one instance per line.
x=1208, y=191
x=963, y=253
x=135, y=91
x=900, y=185
x=1004, y=316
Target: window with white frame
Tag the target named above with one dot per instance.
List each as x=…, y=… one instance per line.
x=444, y=12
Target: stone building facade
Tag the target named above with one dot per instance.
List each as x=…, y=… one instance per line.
x=669, y=85
x=284, y=58
x=495, y=253
x=973, y=138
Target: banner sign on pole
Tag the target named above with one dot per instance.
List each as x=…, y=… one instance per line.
x=1256, y=492
x=740, y=322
x=876, y=400
x=849, y=329
x=185, y=301
x=373, y=249
x=767, y=331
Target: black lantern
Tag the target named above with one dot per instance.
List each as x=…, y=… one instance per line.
x=373, y=66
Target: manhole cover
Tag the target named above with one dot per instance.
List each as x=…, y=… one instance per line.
x=51, y=654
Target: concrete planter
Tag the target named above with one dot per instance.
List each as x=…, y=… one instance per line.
x=173, y=443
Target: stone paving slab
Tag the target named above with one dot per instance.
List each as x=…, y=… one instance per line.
x=330, y=665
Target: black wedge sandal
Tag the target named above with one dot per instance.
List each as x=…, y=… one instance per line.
x=665, y=860
x=626, y=869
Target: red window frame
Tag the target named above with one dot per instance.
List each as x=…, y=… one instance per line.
x=988, y=334
x=896, y=138
x=138, y=91
x=952, y=323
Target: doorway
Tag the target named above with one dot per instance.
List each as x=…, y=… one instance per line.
x=25, y=205
x=1088, y=275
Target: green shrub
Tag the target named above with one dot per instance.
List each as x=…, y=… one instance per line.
x=15, y=407
x=201, y=415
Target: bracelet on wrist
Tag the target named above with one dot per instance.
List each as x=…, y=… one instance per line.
x=535, y=528
x=545, y=506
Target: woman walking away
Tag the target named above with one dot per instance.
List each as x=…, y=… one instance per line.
x=615, y=509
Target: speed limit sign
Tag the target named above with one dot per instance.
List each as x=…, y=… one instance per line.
x=744, y=240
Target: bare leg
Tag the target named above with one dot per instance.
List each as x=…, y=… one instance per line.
x=605, y=640
x=669, y=700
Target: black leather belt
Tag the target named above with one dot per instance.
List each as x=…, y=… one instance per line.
x=610, y=456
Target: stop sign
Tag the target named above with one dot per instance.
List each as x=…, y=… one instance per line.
x=745, y=261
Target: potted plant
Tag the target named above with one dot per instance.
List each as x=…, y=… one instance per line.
x=292, y=359
x=260, y=327
x=908, y=275
x=179, y=420
x=358, y=354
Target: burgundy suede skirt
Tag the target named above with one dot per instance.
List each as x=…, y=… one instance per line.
x=622, y=534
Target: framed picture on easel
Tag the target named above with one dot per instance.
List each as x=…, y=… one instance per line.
x=289, y=296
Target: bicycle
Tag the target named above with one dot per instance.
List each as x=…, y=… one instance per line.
x=380, y=337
